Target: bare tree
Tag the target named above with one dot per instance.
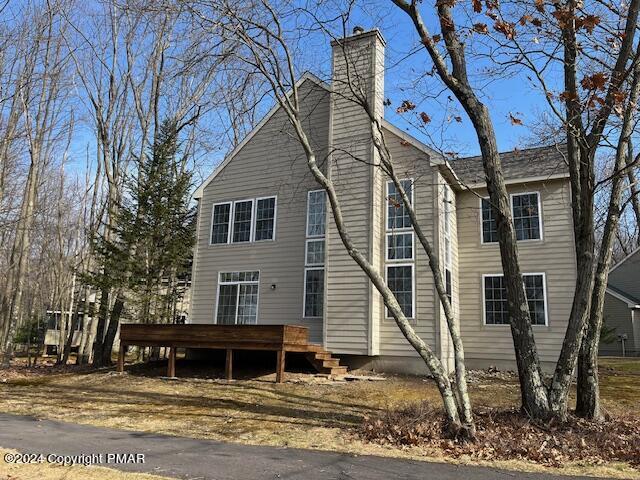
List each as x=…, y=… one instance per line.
x=538, y=399
x=42, y=102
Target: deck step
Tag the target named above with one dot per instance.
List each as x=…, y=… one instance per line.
x=324, y=363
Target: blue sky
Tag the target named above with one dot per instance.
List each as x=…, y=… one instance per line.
x=406, y=64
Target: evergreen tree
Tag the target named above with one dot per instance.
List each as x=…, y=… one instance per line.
x=151, y=246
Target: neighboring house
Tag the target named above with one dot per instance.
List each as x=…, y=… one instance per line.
x=52, y=333
x=622, y=308
x=268, y=251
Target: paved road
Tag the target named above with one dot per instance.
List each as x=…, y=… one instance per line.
x=205, y=459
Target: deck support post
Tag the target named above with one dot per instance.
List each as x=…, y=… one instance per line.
x=171, y=368
x=280, y=366
x=123, y=349
x=228, y=365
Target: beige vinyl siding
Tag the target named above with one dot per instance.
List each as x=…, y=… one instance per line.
x=348, y=318
x=412, y=163
x=617, y=314
x=272, y=163
x=554, y=255
x=626, y=277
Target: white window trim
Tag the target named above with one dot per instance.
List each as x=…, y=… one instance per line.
x=386, y=206
x=245, y=282
x=213, y=210
x=539, y=214
x=306, y=220
x=413, y=287
x=306, y=251
x=386, y=246
x=233, y=222
x=304, y=292
x=255, y=218
x=528, y=274
x=511, y=195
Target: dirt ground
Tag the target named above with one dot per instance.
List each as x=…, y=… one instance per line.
x=307, y=411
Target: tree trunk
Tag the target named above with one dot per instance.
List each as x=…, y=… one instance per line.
x=18, y=260
x=588, y=389
x=112, y=329
x=98, y=343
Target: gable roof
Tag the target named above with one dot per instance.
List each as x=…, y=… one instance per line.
x=631, y=302
x=621, y=262
x=197, y=194
x=541, y=163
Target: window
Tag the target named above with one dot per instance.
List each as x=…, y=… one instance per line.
x=448, y=218
x=400, y=246
x=400, y=282
x=536, y=298
x=265, y=218
x=313, y=292
x=242, y=214
x=313, y=299
x=316, y=213
x=495, y=299
x=525, y=210
x=526, y=216
x=314, y=252
x=237, y=298
x=489, y=228
x=240, y=224
x=397, y=216
x=220, y=223
x=448, y=288
x=399, y=238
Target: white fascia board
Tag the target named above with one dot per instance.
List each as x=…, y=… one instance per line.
x=434, y=157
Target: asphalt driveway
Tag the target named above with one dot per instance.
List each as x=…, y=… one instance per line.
x=189, y=458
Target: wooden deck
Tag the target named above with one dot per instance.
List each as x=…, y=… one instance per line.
x=278, y=338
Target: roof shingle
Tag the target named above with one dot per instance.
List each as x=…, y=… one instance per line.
x=527, y=163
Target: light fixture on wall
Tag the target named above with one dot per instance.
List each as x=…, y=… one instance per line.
x=273, y=286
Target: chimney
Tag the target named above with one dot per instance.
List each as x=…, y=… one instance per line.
x=359, y=60
x=353, y=326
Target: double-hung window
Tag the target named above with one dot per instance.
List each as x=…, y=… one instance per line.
x=313, y=300
x=399, y=249
x=220, y=223
x=237, y=298
x=527, y=218
x=447, y=200
x=495, y=299
x=265, y=218
x=244, y=221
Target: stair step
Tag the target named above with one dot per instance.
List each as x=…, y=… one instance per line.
x=331, y=363
x=338, y=371
x=316, y=348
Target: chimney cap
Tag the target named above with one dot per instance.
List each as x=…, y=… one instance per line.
x=357, y=30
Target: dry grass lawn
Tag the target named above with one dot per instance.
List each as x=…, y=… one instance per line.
x=305, y=412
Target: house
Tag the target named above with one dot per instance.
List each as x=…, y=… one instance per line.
x=622, y=308
x=268, y=251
